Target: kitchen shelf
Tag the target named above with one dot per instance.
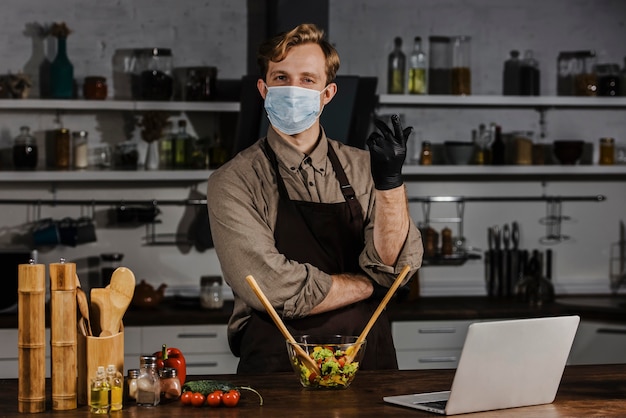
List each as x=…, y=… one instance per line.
x=409, y=171
x=514, y=170
x=100, y=105
x=105, y=176
x=501, y=101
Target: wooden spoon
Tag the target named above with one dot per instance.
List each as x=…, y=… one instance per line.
x=121, y=290
x=100, y=311
x=83, y=306
x=381, y=306
x=304, y=357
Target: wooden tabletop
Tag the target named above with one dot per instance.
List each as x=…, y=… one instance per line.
x=585, y=391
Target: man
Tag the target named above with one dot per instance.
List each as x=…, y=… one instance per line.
x=307, y=218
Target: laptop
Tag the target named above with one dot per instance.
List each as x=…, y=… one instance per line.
x=504, y=364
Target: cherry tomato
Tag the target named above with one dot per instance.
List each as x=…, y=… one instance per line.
x=185, y=398
x=214, y=398
x=197, y=399
x=231, y=398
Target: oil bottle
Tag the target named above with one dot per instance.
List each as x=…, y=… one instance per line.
x=99, y=393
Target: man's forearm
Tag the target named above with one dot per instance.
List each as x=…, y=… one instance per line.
x=391, y=223
x=345, y=290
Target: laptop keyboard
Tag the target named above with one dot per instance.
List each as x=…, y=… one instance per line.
x=435, y=404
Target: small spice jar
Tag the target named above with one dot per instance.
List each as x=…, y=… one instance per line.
x=79, y=148
x=607, y=151
x=95, y=88
x=171, y=388
x=131, y=385
x=426, y=157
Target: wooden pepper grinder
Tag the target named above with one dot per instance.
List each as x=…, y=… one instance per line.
x=31, y=338
x=63, y=335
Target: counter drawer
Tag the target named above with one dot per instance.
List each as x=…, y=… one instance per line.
x=424, y=335
x=206, y=364
x=189, y=339
x=597, y=342
x=428, y=359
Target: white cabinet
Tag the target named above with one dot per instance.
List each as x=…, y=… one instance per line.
x=429, y=344
x=599, y=342
x=205, y=347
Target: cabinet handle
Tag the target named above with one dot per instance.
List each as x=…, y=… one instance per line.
x=209, y=364
x=436, y=330
x=445, y=359
x=198, y=335
x=611, y=331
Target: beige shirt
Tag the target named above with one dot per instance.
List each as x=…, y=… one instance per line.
x=243, y=203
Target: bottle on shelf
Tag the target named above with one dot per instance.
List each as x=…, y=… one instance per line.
x=182, y=146
x=417, y=68
x=218, y=154
x=511, y=75
x=529, y=75
x=498, y=151
x=116, y=385
x=622, y=80
x=166, y=158
x=99, y=393
x=396, y=68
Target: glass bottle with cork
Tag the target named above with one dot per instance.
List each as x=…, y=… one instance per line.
x=62, y=151
x=99, y=393
x=607, y=151
x=439, y=65
x=417, y=68
x=426, y=156
x=511, y=75
x=396, y=64
x=182, y=146
x=116, y=385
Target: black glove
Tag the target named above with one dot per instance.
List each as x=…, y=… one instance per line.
x=387, y=153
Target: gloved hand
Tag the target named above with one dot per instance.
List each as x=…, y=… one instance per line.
x=387, y=153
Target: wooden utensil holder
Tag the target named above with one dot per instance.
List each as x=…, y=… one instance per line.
x=94, y=352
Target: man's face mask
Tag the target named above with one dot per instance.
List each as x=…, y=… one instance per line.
x=292, y=109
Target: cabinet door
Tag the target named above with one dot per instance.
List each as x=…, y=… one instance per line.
x=205, y=347
x=599, y=342
x=429, y=344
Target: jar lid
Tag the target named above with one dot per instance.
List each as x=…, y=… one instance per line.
x=148, y=360
x=167, y=372
x=210, y=280
x=80, y=134
x=95, y=79
x=133, y=373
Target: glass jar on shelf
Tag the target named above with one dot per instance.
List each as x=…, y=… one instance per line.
x=608, y=79
x=211, y=292
x=79, y=148
x=62, y=152
x=25, y=153
x=585, y=80
x=155, y=74
x=461, y=67
x=439, y=65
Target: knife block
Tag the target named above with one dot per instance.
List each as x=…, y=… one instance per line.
x=94, y=352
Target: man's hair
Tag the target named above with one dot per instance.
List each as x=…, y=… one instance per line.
x=275, y=49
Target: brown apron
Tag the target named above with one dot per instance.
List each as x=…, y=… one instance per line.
x=330, y=237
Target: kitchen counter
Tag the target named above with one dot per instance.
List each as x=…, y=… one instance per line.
x=587, y=391
x=184, y=311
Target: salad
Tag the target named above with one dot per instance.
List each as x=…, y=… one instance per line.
x=335, y=372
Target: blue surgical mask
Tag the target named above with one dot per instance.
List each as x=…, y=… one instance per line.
x=292, y=109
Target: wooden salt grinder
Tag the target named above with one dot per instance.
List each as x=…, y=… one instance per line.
x=63, y=332
x=31, y=338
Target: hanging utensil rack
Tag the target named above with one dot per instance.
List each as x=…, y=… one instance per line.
x=553, y=219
